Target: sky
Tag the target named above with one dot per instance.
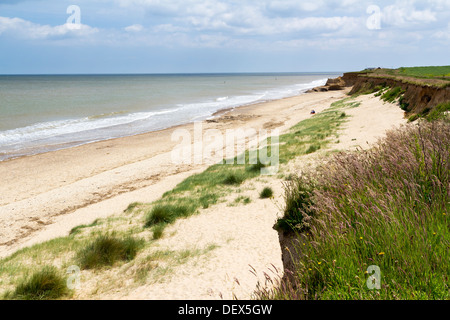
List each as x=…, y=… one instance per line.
x=215, y=36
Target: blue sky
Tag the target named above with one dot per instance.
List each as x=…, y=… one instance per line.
x=182, y=36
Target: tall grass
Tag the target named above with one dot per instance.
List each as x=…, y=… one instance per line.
x=388, y=207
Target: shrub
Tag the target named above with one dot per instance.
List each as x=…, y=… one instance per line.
x=107, y=250
x=46, y=284
x=266, y=193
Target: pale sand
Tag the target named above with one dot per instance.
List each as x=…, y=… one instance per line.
x=45, y=196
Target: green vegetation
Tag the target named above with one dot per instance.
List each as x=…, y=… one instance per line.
x=207, y=188
x=132, y=206
x=167, y=213
x=442, y=72
x=107, y=250
x=158, y=231
x=90, y=246
x=266, y=193
x=233, y=179
x=78, y=229
x=46, y=284
x=298, y=202
x=388, y=207
x=392, y=94
x=441, y=111
x=242, y=199
x=436, y=76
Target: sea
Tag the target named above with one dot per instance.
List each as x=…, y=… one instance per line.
x=42, y=113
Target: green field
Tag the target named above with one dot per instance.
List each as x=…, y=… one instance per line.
x=442, y=72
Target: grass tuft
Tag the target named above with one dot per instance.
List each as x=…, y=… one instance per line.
x=266, y=193
x=46, y=284
x=233, y=179
x=167, y=214
x=107, y=250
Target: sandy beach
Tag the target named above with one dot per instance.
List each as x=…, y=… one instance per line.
x=44, y=196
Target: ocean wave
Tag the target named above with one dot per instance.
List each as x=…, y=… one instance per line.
x=115, y=124
x=40, y=131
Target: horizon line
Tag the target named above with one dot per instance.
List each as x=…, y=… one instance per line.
x=170, y=73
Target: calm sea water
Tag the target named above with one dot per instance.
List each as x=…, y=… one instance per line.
x=44, y=113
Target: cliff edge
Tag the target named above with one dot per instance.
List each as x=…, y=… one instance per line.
x=419, y=94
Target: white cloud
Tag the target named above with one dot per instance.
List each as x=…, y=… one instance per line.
x=443, y=34
x=134, y=28
x=230, y=23
x=28, y=30
x=404, y=13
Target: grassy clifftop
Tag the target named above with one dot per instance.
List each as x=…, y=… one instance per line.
x=421, y=89
x=438, y=77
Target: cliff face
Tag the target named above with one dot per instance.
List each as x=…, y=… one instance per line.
x=420, y=95
x=420, y=98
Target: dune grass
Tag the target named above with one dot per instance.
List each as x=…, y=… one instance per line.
x=388, y=207
x=207, y=188
x=45, y=284
x=107, y=250
x=87, y=246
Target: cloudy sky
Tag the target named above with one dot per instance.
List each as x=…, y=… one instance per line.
x=182, y=36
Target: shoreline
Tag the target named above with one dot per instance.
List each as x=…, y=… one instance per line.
x=41, y=135
x=50, y=194
x=211, y=118
x=37, y=190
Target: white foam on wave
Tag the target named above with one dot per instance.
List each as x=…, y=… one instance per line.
x=207, y=109
x=105, y=126
x=40, y=131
